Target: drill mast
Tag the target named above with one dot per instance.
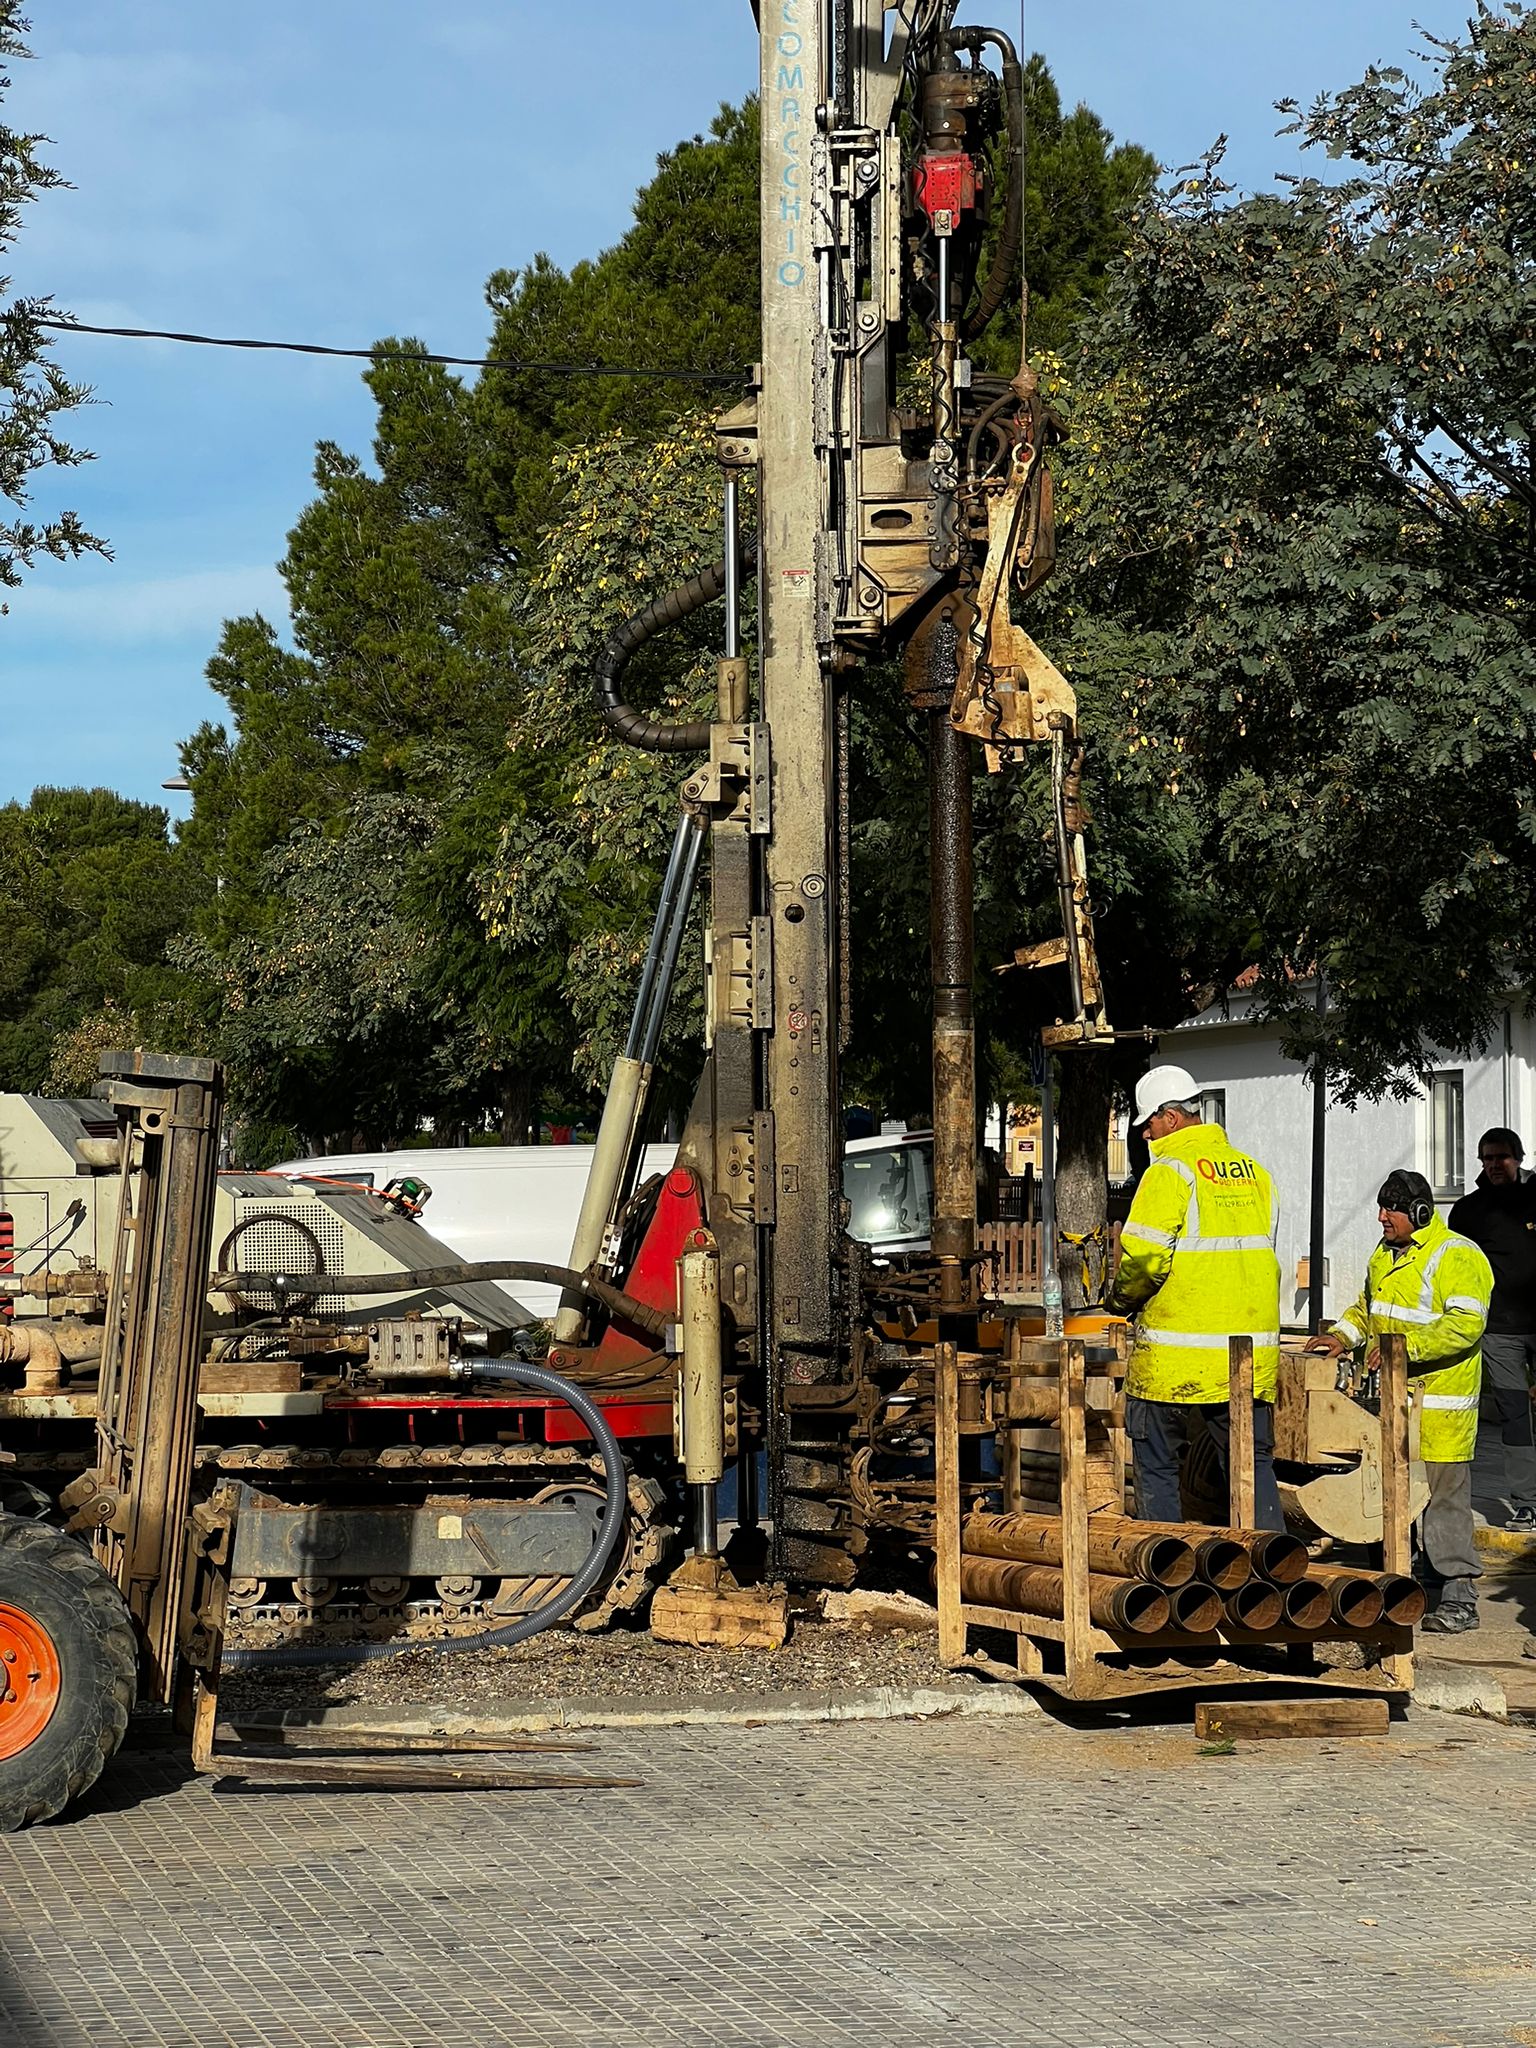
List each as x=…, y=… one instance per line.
x=895, y=516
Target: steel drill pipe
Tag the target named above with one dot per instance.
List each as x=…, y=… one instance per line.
x=1036, y=1539
x=1308, y=1605
x=1195, y=1608
x=1222, y=1564
x=1271, y=1553
x=1402, y=1598
x=1129, y=1605
x=1258, y=1605
x=1357, y=1597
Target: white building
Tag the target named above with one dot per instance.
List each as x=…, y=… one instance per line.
x=1265, y=1103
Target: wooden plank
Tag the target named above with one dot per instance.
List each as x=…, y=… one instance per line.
x=259, y=1741
x=246, y=1376
x=733, y=1618
x=403, y=1774
x=1074, y=1511
x=1269, y=1720
x=1028, y=1658
x=1240, y=1431
x=947, y=1503
x=1046, y=1628
x=1012, y=1471
x=1396, y=1486
x=1396, y=1548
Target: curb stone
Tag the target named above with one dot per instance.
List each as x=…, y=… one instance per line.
x=1450, y=1688
x=1507, y=1543
x=1440, y=1687
x=726, y=1710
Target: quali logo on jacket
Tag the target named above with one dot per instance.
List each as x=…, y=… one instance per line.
x=1227, y=1169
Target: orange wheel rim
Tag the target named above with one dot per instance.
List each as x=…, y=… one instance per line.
x=29, y=1679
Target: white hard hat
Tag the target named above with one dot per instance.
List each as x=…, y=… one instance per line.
x=1160, y=1086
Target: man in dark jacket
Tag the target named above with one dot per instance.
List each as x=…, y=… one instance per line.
x=1500, y=1218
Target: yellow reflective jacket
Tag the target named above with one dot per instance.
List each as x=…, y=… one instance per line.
x=1197, y=1260
x=1435, y=1292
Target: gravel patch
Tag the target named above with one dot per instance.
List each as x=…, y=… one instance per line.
x=621, y=1664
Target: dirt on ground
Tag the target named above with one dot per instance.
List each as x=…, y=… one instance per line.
x=619, y=1664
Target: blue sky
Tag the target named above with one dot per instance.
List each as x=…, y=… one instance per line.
x=334, y=170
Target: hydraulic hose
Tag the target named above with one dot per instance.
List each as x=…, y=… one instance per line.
x=1011, y=239
x=615, y=1502
x=634, y=727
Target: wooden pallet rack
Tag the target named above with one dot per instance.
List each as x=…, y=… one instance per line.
x=1079, y=1389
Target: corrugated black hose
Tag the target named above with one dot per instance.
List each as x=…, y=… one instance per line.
x=624, y=642
x=1011, y=236
x=615, y=1504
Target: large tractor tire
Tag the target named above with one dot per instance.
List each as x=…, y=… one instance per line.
x=69, y=1660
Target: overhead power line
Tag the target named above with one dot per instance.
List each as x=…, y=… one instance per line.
x=725, y=379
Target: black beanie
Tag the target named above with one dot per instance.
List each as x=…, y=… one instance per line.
x=1403, y=1190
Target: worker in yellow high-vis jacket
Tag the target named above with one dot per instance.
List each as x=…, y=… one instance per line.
x=1198, y=1267
x=1429, y=1285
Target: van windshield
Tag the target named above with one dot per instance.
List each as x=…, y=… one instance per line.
x=890, y=1194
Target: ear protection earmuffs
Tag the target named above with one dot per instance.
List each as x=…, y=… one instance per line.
x=1410, y=1194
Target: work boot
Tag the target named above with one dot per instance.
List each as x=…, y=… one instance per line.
x=1451, y=1621
x=1523, y=1519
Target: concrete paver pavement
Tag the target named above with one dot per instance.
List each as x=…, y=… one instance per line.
x=892, y=1885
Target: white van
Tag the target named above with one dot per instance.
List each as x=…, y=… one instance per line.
x=489, y=1201
x=522, y=1201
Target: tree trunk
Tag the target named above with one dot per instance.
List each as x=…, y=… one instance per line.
x=1083, y=1102
x=516, y=1096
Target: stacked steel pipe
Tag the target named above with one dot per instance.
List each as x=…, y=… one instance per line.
x=1148, y=1578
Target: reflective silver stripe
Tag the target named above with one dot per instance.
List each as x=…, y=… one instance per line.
x=1345, y=1328
x=1465, y=1301
x=1391, y=1312
x=1458, y=1401
x=1432, y=1263
x=1192, y=1205
x=1210, y=1340
x=1227, y=1244
x=1150, y=1232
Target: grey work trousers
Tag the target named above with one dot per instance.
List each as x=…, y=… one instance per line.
x=1450, y=1548
x=1506, y=1400
x=1161, y=1432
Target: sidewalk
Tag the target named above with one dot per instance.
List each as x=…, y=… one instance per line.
x=887, y=1884
x=1507, y=1605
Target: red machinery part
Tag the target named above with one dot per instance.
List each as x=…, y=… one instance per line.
x=7, y=1256
x=561, y=1425
x=652, y=1278
x=944, y=184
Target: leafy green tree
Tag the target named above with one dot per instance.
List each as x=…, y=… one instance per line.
x=92, y=893
x=579, y=863
x=34, y=392
x=332, y=1017
x=1304, y=544
x=679, y=290
x=454, y=595
x=1080, y=192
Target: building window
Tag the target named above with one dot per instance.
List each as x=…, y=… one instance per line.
x=1213, y=1106
x=1446, y=1135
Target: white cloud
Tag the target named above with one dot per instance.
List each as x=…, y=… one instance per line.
x=149, y=609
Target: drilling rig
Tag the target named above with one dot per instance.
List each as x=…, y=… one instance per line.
x=889, y=500
x=902, y=506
